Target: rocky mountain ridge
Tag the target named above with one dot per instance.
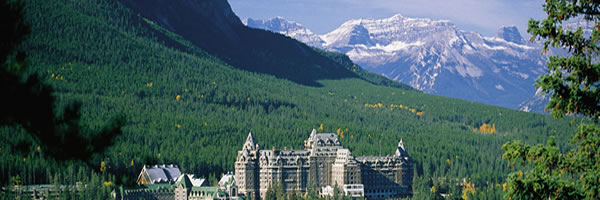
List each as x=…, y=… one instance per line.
x=434, y=56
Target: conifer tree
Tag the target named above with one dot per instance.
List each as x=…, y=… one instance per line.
x=573, y=82
x=30, y=102
x=270, y=194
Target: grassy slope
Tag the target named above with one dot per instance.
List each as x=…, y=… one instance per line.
x=108, y=56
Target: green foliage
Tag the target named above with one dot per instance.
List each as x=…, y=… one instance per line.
x=213, y=180
x=14, y=28
x=270, y=194
x=574, y=175
x=573, y=80
x=31, y=102
x=280, y=194
x=113, y=61
x=31, y=118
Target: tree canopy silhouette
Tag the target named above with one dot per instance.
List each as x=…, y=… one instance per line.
x=29, y=103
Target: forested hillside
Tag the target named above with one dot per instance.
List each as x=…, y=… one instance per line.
x=184, y=106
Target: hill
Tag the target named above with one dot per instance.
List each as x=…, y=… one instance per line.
x=187, y=104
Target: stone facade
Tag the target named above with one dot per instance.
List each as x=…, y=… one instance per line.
x=323, y=162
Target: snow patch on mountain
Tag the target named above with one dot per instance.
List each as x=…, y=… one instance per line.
x=434, y=56
x=288, y=28
x=397, y=46
x=536, y=103
x=499, y=87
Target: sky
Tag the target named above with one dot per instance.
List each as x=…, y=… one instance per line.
x=322, y=16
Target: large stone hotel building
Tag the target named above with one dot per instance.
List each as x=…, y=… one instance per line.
x=323, y=164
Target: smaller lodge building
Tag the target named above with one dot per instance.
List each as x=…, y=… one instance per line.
x=166, y=182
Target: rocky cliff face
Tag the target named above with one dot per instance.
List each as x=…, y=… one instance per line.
x=510, y=34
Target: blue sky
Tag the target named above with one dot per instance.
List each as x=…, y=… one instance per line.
x=321, y=16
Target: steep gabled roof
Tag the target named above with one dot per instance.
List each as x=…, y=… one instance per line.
x=159, y=174
x=156, y=174
x=196, y=182
x=250, y=144
x=172, y=171
x=227, y=179
x=185, y=182
x=401, y=151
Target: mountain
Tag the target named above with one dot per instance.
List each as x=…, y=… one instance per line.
x=436, y=57
x=212, y=26
x=537, y=103
x=510, y=34
x=288, y=28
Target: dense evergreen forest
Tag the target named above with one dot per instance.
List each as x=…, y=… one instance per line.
x=185, y=106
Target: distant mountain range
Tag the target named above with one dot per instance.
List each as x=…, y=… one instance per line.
x=288, y=28
x=435, y=56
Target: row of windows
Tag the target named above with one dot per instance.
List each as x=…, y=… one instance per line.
x=384, y=196
x=376, y=196
x=382, y=191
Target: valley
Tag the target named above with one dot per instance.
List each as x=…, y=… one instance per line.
x=190, y=96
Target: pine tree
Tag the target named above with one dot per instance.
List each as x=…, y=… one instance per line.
x=31, y=103
x=270, y=194
x=573, y=82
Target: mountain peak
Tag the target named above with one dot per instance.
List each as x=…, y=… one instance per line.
x=352, y=32
x=275, y=24
x=397, y=16
x=280, y=19
x=359, y=35
x=286, y=27
x=510, y=34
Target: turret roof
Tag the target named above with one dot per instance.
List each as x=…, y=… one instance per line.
x=250, y=144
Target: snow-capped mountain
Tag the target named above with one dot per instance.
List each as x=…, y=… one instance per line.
x=536, y=103
x=436, y=57
x=288, y=28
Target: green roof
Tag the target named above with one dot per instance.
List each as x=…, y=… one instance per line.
x=205, y=189
x=241, y=197
x=186, y=182
x=213, y=192
x=149, y=187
